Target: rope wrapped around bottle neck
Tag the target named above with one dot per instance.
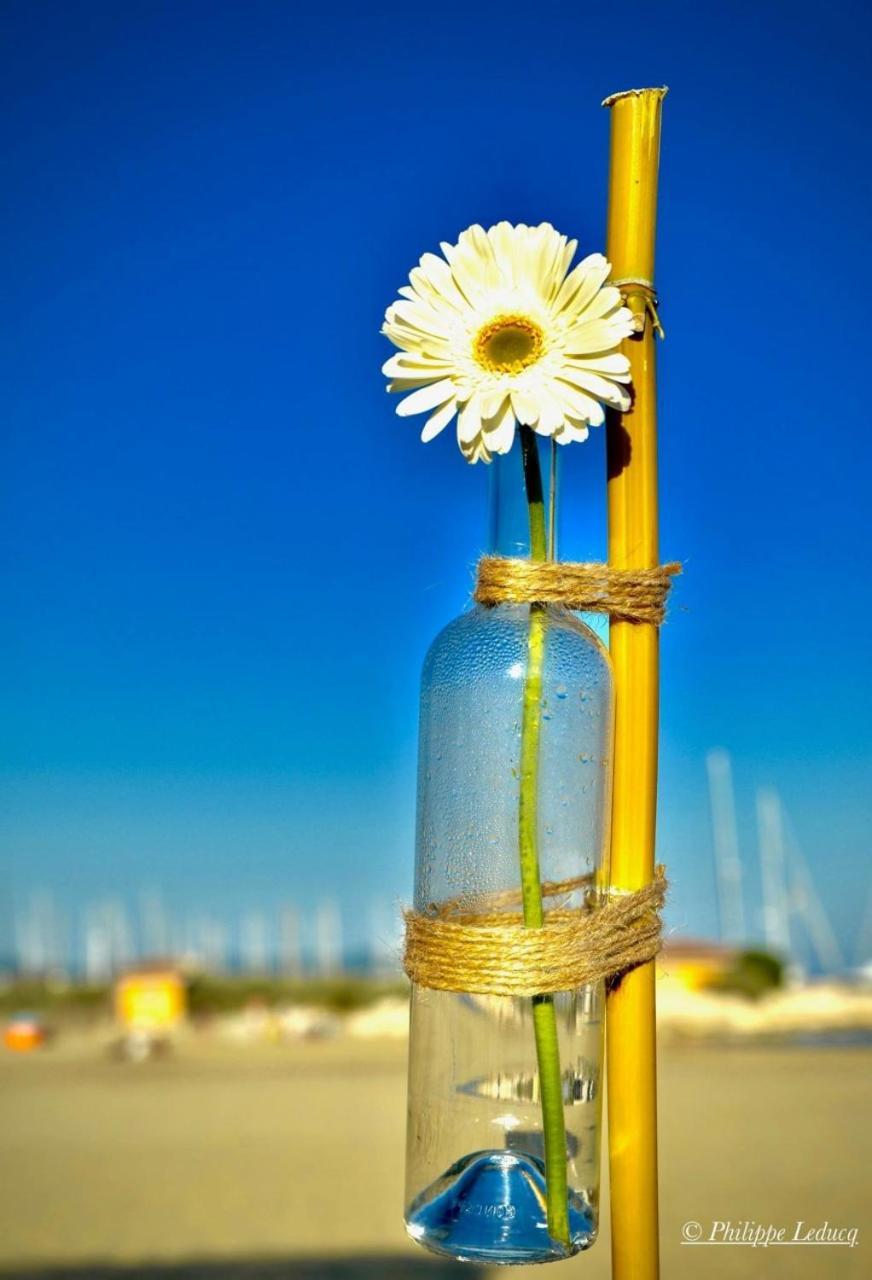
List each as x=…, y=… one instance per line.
x=626, y=595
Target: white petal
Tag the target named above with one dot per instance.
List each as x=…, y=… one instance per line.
x=492, y=402
x=578, y=404
x=406, y=338
x=603, y=302
x=551, y=415
x=434, y=285
x=499, y=431
x=502, y=239
x=427, y=398
x=477, y=451
x=582, y=283
x=439, y=420
x=557, y=254
x=469, y=421
x=617, y=366
x=525, y=405
x=594, y=336
x=602, y=388
x=572, y=434
x=473, y=265
x=398, y=386
x=623, y=317
x=404, y=365
x=425, y=319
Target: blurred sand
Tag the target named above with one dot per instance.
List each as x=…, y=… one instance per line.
x=267, y=1161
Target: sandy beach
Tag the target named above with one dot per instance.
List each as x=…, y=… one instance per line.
x=259, y=1161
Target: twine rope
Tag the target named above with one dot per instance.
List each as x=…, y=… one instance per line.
x=627, y=595
x=491, y=952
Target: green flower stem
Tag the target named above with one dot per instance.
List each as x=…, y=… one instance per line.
x=544, y=1017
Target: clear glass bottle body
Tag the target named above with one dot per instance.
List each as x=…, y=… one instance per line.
x=475, y=1172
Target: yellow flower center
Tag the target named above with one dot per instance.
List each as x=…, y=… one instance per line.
x=508, y=344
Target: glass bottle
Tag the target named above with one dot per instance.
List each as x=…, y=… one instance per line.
x=487, y=1180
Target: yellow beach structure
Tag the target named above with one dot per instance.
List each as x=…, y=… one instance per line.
x=151, y=1000
x=693, y=965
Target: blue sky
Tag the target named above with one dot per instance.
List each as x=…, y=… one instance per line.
x=223, y=556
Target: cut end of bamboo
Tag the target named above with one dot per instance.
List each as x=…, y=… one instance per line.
x=660, y=90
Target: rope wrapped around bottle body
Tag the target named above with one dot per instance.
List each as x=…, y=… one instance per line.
x=492, y=952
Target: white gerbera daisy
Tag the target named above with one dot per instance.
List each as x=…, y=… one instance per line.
x=501, y=332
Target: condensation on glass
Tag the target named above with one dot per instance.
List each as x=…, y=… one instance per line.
x=475, y=1148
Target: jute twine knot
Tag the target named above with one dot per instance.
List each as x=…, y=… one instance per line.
x=627, y=595
x=492, y=952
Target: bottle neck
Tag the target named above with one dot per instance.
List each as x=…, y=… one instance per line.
x=509, y=525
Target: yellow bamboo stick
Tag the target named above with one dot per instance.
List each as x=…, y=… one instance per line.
x=633, y=543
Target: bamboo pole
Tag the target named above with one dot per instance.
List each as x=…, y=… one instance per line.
x=633, y=543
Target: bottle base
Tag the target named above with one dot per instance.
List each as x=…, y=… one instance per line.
x=489, y=1207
